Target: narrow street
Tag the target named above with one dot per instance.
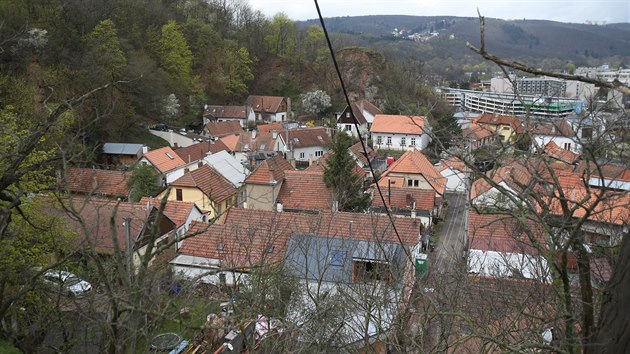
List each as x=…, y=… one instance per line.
x=449, y=248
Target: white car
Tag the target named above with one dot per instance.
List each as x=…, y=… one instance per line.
x=67, y=283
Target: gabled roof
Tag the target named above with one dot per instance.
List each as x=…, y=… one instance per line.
x=265, y=104
x=503, y=233
x=96, y=181
x=359, y=109
x=493, y=119
x=122, y=149
x=322, y=162
x=255, y=141
x=228, y=166
x=221, y=129
x=97, y=215
x=307, y=137
x=164, y=159
x=194, y=152
x=414, y=162
x=552, y=149
x=477, y=132
x=271, y=169
x=455, y=163
x=305, y=190
x=384, y=123
x=246, y=234
x=555, y=128
x=209, y=181
x=230, y=141
x=177, y=211
x=268, y=128
x=515, y=175
x=229, y=112
x=357, y=153
x=404, y=197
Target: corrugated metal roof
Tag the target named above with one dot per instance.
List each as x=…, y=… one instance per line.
x=228, y=166
x=121, y=148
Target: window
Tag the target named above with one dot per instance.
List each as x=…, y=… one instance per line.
x=347, y=114
x=168, y=154
x=506, y=128
x=409, y=183
x=179, y=194
x=379, y=140
x=416, y=183
x=348, y=127
x=567, y=146
x=413, y=142
x=403, y=141
x=587, y=133
x=269, y=249
x=319, y=153
x=301, y=155
x=220, y=247
x=222, y=279
x=337, y=258
x=366, y=271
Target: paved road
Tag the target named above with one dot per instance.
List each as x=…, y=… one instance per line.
x=449, y=248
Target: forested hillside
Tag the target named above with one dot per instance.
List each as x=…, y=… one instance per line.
x=547, y=44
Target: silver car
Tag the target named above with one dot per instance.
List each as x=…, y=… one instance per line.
x=67, y=283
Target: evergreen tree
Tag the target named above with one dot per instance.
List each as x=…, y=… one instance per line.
x=339, y=175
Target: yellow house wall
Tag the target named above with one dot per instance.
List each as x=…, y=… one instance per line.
x=259, y=196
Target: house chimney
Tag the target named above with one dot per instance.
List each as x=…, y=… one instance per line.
x=279, y=207
x=350, y=229
x=288, y=108
x=335, y=205
x=254, y=134
x=413, y=210
x=175, y=145
x=145, y=149
x=274, y=134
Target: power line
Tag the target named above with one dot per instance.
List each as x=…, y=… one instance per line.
x=356, y=126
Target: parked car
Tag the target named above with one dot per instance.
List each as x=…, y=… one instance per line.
x=67, y=283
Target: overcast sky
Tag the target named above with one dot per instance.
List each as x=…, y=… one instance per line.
x=576, y=11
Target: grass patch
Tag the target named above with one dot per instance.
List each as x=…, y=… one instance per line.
x=199, y=310
x=7, y=348
x=141, y=135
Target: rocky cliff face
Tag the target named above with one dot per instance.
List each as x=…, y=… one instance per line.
x=362, y=71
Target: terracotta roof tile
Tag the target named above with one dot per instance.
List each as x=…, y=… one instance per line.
x=322, y=162
x=552, y=149
x=414, y=162
x=246, y=234
x=230, y=141
x=221, y=129
x=268, y=128
x=503, y=233
x=555, y=128
x=477, y=132
x=210, y=182
x=194, y=152
x=255, y=141
x=265, y=104
x=177, y=211
x=404, y=197
x=493, y=119
x=357, y=152
x=164, y=159
x=306, y=137
x=96, y=181
x=272, y=168
x=233, y=112
x=305, y=190
x=384, y=123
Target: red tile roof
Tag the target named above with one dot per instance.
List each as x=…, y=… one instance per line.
x=552, y=149
x=255, y=141
x=272, y=168
x=359, y=108
x=230, y=141
x=515, y=175
x=265, y=104
x=307, y=137
x=164, y=159
x=268, y=128
x=177, y=211
x=503, y=233
x=221, y=129
x=384, y=123
x=455, y=163
x=96, y=181
x=194, y=152
x=493, y=119
x=477, y=132
x=322, y=162
x=246, y=234
x=404, y=197
x=97, y=217
x=230, y=112
x=414, y=162
x=305, y=190
x=555, y=128
x=210, y=182
x=357, y=152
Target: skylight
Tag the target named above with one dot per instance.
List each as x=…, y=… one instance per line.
x=170, y=156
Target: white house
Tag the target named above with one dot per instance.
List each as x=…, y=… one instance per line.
x=241, y=114
x=306, y=144
x=456, y=174
x=167, y=163
x=397, y=132
x=558, y=131
x=269, y=108
x=364, y=113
